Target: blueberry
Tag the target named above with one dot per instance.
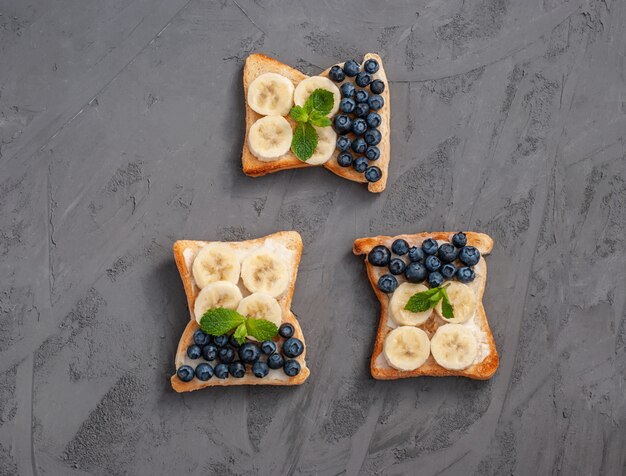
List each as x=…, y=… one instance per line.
x=362, y=109
x=275, y=361
x=397, y=266
x=194, y=351
x=373, y=174
x=360, y=164
x=347, y=90
x=377, y=86
x=227, y=355
x=435, y=279
x=233, y=342
x=448, y=270
x=373, y=120
x=415, y=272
x=432, y=263
x=268, y=347
x=361, y=96
x=372, y=137
x=260, y=369
x=379, y=256
x=363, y=79
x=209, y=352
x=430, y=246
x=400, y=247
x=447, y=253
x=200, y=338
x=416, y=254
x=185, y=373
x=336, y=74
x=221, y=341
x=204, y=371
x=371, y=66
x=359, y=126
x=351, y=68
x=376, y=102
x=359, y=145
x=459, y=239
x=286, y=330
x=347, y=105
x=387, y=283
x=469, y=255
x=221, y=371
x=372, y=153
x=344, y=159
x=343, y=143
x=293, y=347
x=342, y=123
x=291, y=368
x=465, y=274
x=249, y=353
x=237, y=369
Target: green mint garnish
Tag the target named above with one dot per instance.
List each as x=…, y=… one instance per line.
x=425, y=300
x=314, y=113
x=219, y=321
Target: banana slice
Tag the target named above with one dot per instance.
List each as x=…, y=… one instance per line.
x=217, y=294
x=454, y=346
x=264, y=271
x=271, y=94
x=261, y=306
x=270, y=137
x=215, y=262
x=406, y=348
x=308, y=85
x=400, y=297
x=326, y=143
x=463, y=302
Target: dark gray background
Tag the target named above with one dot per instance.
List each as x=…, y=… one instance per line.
x=121, y=125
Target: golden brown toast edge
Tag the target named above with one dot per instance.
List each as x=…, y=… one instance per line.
x=481, y=371
x=291, y=240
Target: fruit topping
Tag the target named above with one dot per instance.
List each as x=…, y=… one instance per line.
x=249, y=353
x=397, y=266
x=362, y=109
x=359, y=126
x=194, y=351
x=387, y=283
x=448, y=271
x=465, y=274
x=260, y=369
x=373, y=120
x=360, y=164
x=343, y=143
x=343, y=124
x=347, y=90
x=372, y=137
x=232, y=341
x=361, y=96
x=271, y=94
x=269, y=138
x=336, y=74
x=447, y=253
x=416, y=254
x=430, y=246
x=379, y=256
x=351, y=68
x=373, y=174
x=406, y=348
x=398, y=302
x=209, y=352
x=435, y=279
x=370, y=66
x=344, y=159
x=463, y=302
x=400, y=247
x=363, y=79
x=220, y=341
x=459, y=239
x=432, y=263
x=347, y=105
x=454, y=346
x=275, y=361
x=415, y=272
x=221, y=371
x=185, y=373
x=204, y=371
x=376, y=102
x=372, y=153
x=286, y=330
x=359, y=145
x=237, y=369
x=469, y=255
x=291, y=368
x=306, y=87
x=226, y=354
x=293, y=347
x=268, y=347
x=377, y=86
x=200, y=338
x=264, y=271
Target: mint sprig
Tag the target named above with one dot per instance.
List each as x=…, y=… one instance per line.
x=314, y=112
x=219, y=321
x=425, y=300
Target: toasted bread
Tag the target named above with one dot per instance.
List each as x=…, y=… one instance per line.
x=257, y=64
x=379, y=367
x=184, y=253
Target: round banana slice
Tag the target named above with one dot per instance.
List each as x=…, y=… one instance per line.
x=263, y=271
x=215, y=262
x=218, y=294
x=270, y=137
x=261, y=306
x=454, y=346
x=308, y=85
x=406, y=348
x=326, y=143
x=271, y=94
x=463, y=302
x=400, y=297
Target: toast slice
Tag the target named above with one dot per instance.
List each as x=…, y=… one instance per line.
x=487, y=361
x=257, y=64
x=184, y=254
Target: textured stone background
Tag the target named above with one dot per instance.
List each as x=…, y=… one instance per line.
x=120, y=131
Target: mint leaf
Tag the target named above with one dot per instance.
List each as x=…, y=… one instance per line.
x=240, y=333
x=219, y=321
x=321, y=101
x=318, y=119
x=446, y=307
x=261, y=329
x=298, y=114
x=423, y=301
x=304, y=141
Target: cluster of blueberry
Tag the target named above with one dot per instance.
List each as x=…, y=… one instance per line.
x=358, y=124
x=225, y=349
x=430, y=262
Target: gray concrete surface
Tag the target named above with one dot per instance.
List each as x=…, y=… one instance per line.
x=120, y=131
